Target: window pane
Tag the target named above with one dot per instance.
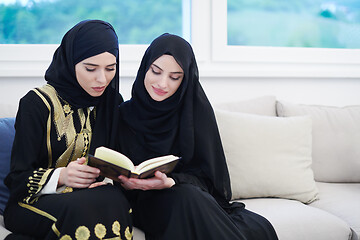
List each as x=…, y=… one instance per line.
x=294, y=23
x=46, y=21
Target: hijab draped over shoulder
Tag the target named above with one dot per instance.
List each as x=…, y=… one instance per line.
x=182, y=124
x=86, y=39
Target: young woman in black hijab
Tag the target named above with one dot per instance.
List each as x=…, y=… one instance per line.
x=169, y=113
x=53, y=193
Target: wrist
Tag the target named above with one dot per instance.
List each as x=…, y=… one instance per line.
x=61, y=182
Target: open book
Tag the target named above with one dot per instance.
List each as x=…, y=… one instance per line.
x=112, y=164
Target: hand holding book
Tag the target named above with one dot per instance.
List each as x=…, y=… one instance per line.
x=159, y=181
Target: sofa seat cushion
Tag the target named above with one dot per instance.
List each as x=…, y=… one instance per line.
x=336, y=139
x=7, y=133
x=342, y=200
x=297, y=221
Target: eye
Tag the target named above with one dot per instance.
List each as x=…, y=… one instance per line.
x=110, y=69
x=154, y=71
x=175, y=78
x=89, y=69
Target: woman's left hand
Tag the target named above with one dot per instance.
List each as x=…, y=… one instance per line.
x=159, y=181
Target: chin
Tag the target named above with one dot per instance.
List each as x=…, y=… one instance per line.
x=96, y=94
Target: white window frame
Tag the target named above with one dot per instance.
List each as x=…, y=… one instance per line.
x=278, y=61
x=215, y=58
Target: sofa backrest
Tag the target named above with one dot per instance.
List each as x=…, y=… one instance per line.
x=7, y=133
x=336, y=139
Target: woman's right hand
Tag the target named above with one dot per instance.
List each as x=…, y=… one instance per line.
x=78, y=175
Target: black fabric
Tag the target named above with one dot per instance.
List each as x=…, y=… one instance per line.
x=186, y=212
x=183, y=124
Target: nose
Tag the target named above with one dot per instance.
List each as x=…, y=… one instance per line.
x=101, y=77
x=162, y=82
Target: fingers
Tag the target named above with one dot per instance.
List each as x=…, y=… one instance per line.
x=81, y=160
x=97, y=184
x=78, y=175
x=159, y=181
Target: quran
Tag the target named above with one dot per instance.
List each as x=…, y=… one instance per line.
x=112, y=164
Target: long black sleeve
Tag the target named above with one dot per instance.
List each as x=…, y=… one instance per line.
x=29, y=170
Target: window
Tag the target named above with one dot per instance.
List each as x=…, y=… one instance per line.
x=46, y=21
x=216, y=53
x=137, y=23
x=295, y=23
x=275, y=61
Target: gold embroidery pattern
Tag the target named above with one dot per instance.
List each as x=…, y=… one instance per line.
x=100, y=230
x=67, y=190
x=77, y=143
x=116, y=228
x=36, y=183
x=128, y=234
x=67, y=109
x=66, y=237
x=82, y=233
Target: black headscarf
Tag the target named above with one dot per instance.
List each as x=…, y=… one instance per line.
x=86, y=39
x=184, y=122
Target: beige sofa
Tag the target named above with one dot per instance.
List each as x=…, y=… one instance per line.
x=297, y=165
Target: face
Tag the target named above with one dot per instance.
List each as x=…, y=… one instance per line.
x=163, y=78
x=95, y=73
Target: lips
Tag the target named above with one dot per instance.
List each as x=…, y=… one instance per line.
x=159, y=91
x=98, y=89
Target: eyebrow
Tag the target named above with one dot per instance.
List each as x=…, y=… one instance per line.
x=163, y=70
x=96, y=65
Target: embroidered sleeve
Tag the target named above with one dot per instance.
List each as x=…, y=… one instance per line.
x=36, y=182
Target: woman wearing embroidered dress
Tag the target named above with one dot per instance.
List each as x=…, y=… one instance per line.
x=169, y=113
x=53, y=193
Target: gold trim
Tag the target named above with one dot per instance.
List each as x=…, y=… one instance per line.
x=48, y=143
x=36, y=183
x=77, y=144
x=38, y=211
x=56, y=231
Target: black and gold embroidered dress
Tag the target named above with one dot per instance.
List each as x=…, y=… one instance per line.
x=57, y=124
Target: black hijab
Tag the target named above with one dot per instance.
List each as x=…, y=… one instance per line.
x=86, y=39
x=182, y=124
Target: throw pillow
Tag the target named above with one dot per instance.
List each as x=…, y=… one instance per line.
x=336, y=139
x=265, y=105
x=7, y=132
x=268, y=156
